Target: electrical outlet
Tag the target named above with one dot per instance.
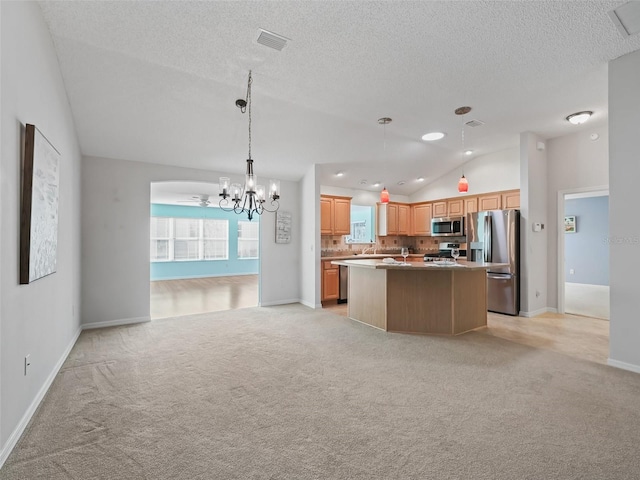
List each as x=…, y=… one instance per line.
x=27, y=363
x=571, y=271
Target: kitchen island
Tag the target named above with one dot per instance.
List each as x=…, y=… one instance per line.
x=419, y=297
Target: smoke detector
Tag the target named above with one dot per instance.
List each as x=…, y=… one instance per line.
x=271, y=40
x=474, y=123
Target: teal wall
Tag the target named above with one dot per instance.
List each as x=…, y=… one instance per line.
x=204, y=268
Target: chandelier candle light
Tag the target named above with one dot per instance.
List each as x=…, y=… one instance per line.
x=463, y=184
x=251, y=197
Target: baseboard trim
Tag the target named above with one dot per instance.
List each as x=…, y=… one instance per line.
x=280, y=302
x=540, y=311
x=311, y=305
x=216, y=275
x=26, y=418
x=115, y=323
x=623, y=365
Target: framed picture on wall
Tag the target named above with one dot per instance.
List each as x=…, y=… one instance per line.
x=570, y=224
x=39, y=215
x=283, y=227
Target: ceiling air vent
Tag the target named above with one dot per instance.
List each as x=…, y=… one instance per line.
x=627, y=18
x=271, y=40
x=473, y=123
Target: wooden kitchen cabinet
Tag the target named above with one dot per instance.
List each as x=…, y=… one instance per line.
x=404, y=219
x=393, y=219
x=455, y=208
x=335, y=215
x=421, y=219
x=511, y=200
x=470, y=205
x=448, y=208
x=341, y=216
x=492, y=201
x=439, y=209
x=330, y=281
x=326, y=217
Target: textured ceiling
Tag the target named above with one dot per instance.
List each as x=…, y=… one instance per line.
x=157, y=81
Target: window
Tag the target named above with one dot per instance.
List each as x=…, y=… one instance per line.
x=188, y=239
x=160, y=239
x=186, y=243
x=216, y=239
x=248, y=239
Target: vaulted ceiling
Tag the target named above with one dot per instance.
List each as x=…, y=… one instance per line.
x=157, y=81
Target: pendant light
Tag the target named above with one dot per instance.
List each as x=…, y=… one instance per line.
x=251, y=197
x=463, y=184
x=384, y=195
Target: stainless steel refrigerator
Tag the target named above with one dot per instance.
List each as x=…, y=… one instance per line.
x=494, y=236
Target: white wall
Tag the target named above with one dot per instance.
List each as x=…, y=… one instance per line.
x=40, y=319
x=115, y=239
x=486, y=173
x=575, y=162
x=533, y=208
x=310, y=235
x=624, y=228
x=361, y=197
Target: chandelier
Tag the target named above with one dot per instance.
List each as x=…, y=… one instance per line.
x=251, y=197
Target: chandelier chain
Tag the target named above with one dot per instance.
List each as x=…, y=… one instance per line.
x=249, y=108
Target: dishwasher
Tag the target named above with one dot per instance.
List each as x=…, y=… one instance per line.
x=344, y=284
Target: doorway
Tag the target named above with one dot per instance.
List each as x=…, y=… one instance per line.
x=583, y=260
x=202, y=258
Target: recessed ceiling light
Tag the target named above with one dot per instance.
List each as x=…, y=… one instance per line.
x=468, y=152
x=420, y=179
x=339, y=174
x=377, y=184
x=401, y=182
x=580, y=117
x=430, y=137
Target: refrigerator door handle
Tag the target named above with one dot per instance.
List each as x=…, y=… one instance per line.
x=487, y=238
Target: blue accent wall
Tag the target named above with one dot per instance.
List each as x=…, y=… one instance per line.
x=204, y=268
x=587, y=250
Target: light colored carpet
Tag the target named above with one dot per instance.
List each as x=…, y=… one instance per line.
x=293, y=393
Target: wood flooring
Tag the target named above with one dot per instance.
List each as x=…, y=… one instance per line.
x=174, y=298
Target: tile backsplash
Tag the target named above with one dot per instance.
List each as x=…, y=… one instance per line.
x=331, y=245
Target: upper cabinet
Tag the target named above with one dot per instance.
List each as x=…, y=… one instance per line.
x=448, y=208
x=511, y=200
x=492, y=201
x=393, y=219
x=421, y=219
x=335, y=215
x=506, y=200
x=470, y=205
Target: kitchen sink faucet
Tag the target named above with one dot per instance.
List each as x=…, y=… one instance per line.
x=370, y=247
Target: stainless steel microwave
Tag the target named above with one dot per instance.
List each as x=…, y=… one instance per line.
x=447, y=227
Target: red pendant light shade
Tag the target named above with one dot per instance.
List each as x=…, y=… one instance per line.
x=463, y=185
x=384, y=195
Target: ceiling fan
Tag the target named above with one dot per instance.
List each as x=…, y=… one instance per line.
x=202, y=200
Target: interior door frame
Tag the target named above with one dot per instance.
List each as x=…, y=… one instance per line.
x=562, y=194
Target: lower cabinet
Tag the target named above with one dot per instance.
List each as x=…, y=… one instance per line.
x=330, y=281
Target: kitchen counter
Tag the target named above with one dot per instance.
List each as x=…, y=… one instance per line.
x=418, y=298
x=359, y=256
x=414, y=264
